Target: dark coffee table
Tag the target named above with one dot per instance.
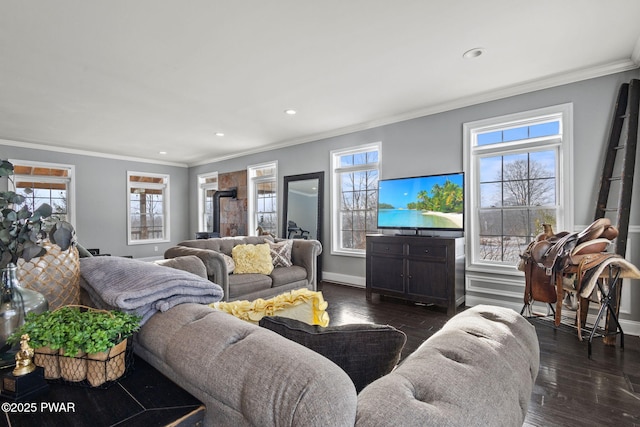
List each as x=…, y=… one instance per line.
x=143, y=397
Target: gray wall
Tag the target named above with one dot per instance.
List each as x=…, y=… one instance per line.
x=101, y=199
x=433, y=144
x=426, y=145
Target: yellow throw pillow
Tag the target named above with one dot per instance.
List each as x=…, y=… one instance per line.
x=252, y=259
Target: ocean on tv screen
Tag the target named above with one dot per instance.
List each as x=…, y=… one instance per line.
x=410, y=218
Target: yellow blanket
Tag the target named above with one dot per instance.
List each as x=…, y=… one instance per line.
x=300, y=304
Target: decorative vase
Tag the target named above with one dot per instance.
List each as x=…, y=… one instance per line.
x=56, y=275
x=15, y=303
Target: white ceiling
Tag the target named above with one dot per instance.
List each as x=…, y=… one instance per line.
x=136, y=77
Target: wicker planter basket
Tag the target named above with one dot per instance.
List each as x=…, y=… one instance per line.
x=48, y=359
x=73, y=369
x=95, y=369
x=107, y=365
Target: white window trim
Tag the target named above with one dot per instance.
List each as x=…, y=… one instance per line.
x=165, y=206
x=564, y=172
x=203, y=187
x=252, y=196
x=70, y=181
x=335, y=193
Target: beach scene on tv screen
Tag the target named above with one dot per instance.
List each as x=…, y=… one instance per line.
x=422, y=202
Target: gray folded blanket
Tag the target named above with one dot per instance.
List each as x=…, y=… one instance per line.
x=142, y=288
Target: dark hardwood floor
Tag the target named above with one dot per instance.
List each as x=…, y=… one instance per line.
x=571, y=389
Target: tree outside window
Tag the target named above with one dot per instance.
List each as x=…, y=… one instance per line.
x=355, y=195
x=519, y=178
x=515, y=202
x=263, y=198
x=148, y=207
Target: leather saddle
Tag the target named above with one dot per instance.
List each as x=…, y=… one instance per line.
x=549, y=254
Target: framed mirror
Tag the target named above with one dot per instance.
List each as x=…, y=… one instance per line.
x=303, y=205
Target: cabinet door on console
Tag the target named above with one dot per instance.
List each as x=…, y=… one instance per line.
x=386, y=273
x=427, y=279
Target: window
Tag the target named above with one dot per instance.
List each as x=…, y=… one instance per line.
x=263, y=198
x=354, y=195
x=519, y=172
x=207, y=187
x=46, y=183
x=147, y=207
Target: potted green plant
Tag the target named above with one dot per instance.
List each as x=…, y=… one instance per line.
x=88, y=344
x=108, y=333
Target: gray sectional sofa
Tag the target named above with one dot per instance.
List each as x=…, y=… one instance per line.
x=478, y=370
x=302, y=274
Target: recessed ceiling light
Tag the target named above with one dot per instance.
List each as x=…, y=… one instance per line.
x=473, y=53
x=219, y=134
x=162, y=152
x=290, y=112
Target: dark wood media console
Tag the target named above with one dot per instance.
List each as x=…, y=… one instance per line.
x=417, y=268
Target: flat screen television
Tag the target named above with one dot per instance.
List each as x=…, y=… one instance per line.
x=432, y=202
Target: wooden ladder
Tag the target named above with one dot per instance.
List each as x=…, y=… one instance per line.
x=618, y=171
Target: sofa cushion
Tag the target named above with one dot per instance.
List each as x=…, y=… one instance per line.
x=244, y=374
x=252, y=259
x=284, y=275
x=479, y=369
x=244, y=284
x=365, y=352
x=281, y=253
x=231, y=265
x=190, y=263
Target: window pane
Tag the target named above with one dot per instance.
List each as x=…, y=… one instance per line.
x=490, y=195
x=515, y=134
x=491, y=169
x=544, y=129
x=516, y=193
x=347, y=182
x=516, y=222
x=147, y=214
x=490, y=247
x=356, y=194
x=543, y=164
x=538, y=217
x=147, y=207
x=264, y=202
x=347, y=239
x=489, y=138
x=542, y=192
x=513, y=246
x=490, y=222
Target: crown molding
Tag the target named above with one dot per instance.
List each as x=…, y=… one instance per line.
x=506, y=92
x=531, y=86
x=65, y=150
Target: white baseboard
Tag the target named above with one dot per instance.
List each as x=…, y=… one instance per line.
x=357, y=281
